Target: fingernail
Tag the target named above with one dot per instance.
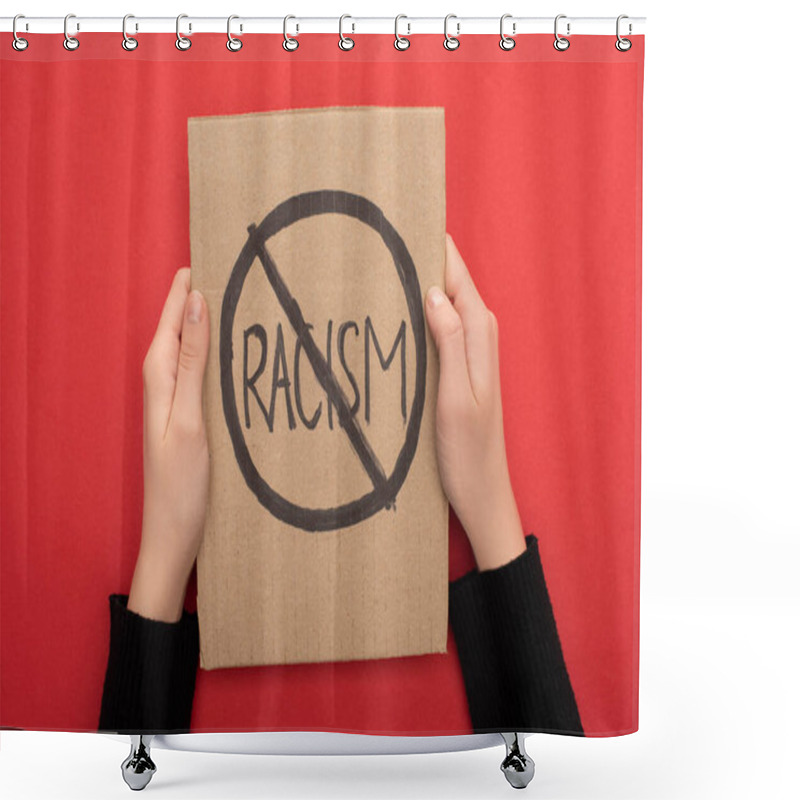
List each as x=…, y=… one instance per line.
x=435, y=296
x=195, y=306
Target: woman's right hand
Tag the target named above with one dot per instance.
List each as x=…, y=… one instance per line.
x=470, y=443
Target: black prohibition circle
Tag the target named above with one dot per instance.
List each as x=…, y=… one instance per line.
x=385, y=489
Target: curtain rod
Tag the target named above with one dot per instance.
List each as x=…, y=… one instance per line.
x=350, y=24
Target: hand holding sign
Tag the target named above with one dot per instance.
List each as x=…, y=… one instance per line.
x=176, y=465
x=470, y=445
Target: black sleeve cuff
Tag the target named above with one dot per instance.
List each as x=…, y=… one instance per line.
x=151, y=672
x=510, y=653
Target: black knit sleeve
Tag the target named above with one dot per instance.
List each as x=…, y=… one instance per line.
x=511, y=659
x=151, y=671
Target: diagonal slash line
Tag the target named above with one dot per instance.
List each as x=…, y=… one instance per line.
x=319, y=364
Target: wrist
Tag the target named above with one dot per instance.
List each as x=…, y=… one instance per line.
x=497, y=537
x=158, y=588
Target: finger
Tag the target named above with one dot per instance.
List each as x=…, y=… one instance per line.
x=478, y=326
x=187, y=406
x=161, y=362
x=169, y=327
x=448, y=334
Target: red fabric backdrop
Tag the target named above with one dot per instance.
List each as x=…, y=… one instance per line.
x=544, y=202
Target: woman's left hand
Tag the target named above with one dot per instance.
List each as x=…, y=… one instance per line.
x=176, y=462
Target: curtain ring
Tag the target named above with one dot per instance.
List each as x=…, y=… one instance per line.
x=233, y=44
x=560, y=42
x=401, y=42
x=451, y=42
x=345, y=42
x=623, y=45
x=128, y=42
x=70, y=42
x=182, y=42
x=18, y=43
x=507, y=42
x=290, y=44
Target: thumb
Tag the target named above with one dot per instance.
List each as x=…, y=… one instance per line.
x=187, y=405
x=448, y=333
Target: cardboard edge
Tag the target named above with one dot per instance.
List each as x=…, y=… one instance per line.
x=221, y=118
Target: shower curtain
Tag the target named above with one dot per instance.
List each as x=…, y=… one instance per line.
x=543, y=200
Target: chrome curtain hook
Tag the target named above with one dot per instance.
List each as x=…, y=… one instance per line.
x=290, y=44
x=451, y=42
x=182, y=42
x=129, y=42
x=18, y=43
x=507, y=42
x=345, y=42
x=560, y=42
x=623, y=45
x=401, y=42
x=70, y=42
x=233, y=44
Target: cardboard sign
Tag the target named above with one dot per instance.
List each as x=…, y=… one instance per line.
x=315, y=235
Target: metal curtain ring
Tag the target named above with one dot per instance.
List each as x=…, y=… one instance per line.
x=507, y=42
x=70, y=42
x=290, y=44
x=623, y=45
x=560, y=42
x=18, y=43
x=345, y=42
x=451, y=42
x=233, y=44
x=182, y=42
x=401, y=42
x=128, y=42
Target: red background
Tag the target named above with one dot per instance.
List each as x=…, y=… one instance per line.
x=544, y=202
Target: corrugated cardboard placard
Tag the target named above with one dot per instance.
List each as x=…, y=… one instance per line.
x=315, y=235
